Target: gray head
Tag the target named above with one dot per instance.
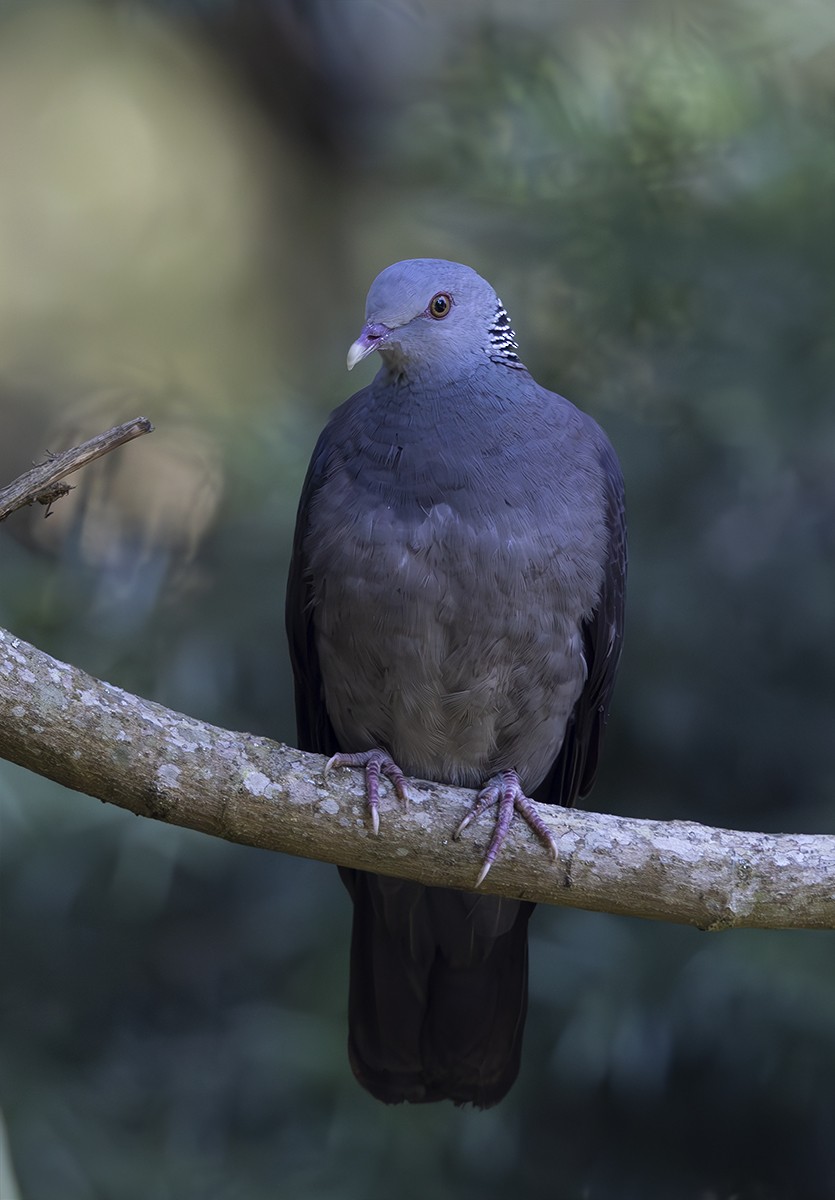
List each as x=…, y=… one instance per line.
x=429, y=314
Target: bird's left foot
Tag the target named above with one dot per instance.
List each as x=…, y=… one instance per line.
x=506, y=791
x=375, y=762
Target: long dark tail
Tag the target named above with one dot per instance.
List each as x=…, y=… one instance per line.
x=439, y=991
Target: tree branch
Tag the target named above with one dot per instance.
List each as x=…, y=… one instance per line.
x=95, y=738
x=43, y=484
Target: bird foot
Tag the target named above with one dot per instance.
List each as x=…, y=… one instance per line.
x=506, y=791
x=375, y=762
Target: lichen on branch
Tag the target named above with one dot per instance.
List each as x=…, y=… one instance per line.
x=97, y=739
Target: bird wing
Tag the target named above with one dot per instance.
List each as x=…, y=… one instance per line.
x=314, y=729
x=573, y=773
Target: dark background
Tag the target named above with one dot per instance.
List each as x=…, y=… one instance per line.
x=193, y=200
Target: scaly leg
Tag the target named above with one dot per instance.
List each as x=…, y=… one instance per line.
x=506, y=791
x=375, y=763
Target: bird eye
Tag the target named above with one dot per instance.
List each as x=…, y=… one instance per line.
x=440, y=305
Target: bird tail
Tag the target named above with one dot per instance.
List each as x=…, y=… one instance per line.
x=439, y=991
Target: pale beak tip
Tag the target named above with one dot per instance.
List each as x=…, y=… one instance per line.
x=356, y=353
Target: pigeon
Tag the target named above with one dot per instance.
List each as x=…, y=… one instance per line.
x=454, y=613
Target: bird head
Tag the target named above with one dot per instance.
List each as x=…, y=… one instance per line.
x=426, y=313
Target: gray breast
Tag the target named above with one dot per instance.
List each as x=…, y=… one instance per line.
x=448, y=602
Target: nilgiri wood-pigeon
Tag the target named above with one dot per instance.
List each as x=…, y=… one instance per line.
x=455, y=612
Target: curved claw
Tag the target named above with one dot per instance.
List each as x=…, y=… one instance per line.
x=487, y=796
x=482, y=875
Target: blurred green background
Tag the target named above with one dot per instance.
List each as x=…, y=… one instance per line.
x=194, y=198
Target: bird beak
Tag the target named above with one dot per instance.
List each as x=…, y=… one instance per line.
x=367, y=342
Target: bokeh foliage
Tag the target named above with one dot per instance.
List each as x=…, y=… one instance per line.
x=193, y=200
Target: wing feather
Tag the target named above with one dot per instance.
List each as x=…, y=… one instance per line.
x=314, y=729
x=574, y=771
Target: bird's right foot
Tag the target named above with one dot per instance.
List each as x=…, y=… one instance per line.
x=375, y=762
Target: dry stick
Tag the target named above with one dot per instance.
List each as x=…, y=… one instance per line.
x=43, y=484
x=95, y=738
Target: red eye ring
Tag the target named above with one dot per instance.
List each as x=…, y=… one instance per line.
x=440, y=306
